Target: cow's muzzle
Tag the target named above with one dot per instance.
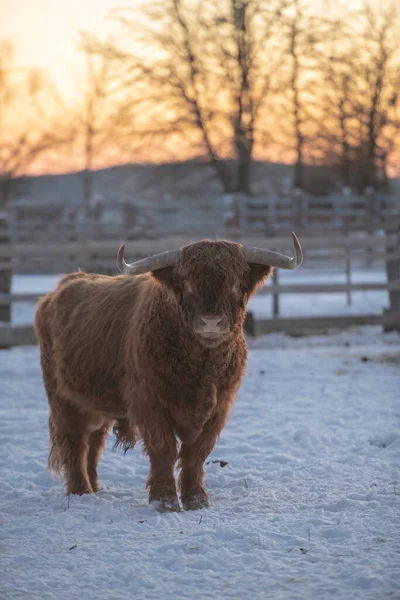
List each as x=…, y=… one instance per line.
x=211, y=326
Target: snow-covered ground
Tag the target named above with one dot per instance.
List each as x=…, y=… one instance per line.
x=290, y=304
x=307, y=506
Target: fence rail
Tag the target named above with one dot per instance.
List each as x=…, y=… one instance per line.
x=25, y=335
x=341, y=251
x=338, y=248
x=336, y=211
x=14, y=336
x=337, y=242
x=223, y=216
x=307, y=325
x=306, y=288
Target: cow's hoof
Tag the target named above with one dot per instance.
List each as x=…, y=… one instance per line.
x=196, y=501
x=167, y=505
x=79, y=490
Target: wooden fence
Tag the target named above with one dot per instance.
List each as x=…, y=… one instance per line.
x=390, y=320
x=99, y=255
x=5, y=268
x=334, y=212
x=228, y=216
x=325, y=250
x=300, y=326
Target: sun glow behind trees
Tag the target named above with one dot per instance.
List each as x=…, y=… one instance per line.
x=323, y=80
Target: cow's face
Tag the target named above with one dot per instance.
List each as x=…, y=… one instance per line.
x=212, y=283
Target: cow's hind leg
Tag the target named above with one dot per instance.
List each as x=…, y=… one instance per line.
x=97, y=441
x=69, y=439
x=160, y=446
x=69, y=434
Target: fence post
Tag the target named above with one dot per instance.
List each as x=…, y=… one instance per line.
x=348, y=275
x=298, y=207
x=393, y=272
x=348, y=262
x=5, y=275
x=272, y=218
x=371, y=200
x=275, y=295
x=372, y=208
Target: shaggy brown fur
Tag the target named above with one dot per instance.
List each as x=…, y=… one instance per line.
x=125, y=350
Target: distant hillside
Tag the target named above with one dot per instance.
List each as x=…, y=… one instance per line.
x=139, y=183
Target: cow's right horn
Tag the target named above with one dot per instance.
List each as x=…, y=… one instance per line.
x=274, y=259
x=145, y=265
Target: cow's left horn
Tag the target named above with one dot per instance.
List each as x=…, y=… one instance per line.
x=152, y=263
x=274, y=259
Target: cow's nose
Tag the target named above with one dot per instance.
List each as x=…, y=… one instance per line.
x=211, y=323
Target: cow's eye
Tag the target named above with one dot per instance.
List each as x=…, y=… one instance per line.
x=187, y=287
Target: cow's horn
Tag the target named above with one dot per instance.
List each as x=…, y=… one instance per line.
x=274, y=259
x=152, y=263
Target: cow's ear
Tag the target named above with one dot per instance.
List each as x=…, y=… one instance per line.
x=165, y=276
x=257, y=275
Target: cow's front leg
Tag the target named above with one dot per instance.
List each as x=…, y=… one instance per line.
x=160, y=446
x=205, y=406
x=191, y=425
x=192, y=456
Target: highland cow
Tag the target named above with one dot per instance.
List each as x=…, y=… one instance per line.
x=157, y=352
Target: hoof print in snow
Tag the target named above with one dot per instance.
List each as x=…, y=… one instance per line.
x=221, y=463
x=196, y=502
x=302, y=550
x=163, y=506
x=383, y=441
x=365, y=359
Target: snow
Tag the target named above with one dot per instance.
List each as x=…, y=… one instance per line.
x=306, y=507
x=22, y=313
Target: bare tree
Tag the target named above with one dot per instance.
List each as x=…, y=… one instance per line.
x=361, y=101
x=225, y=81
x=23, y=137
x=381, y=35
x=26, y=128
x=339, y=97
x=203, y=81
x=302, y=37
x=93, y=117
x=294, y=53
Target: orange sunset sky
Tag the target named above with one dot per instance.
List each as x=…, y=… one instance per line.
x=44, y=32
x=44, y=35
